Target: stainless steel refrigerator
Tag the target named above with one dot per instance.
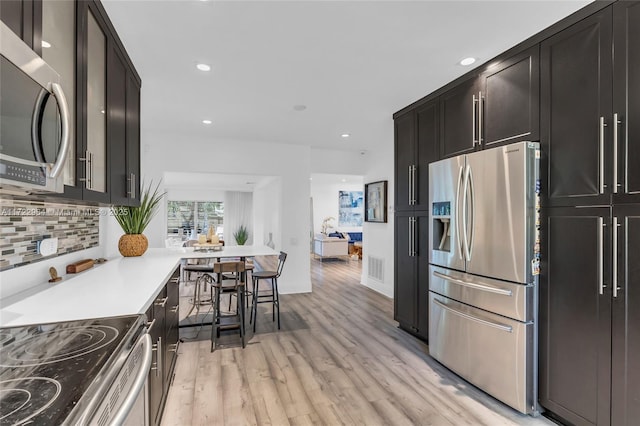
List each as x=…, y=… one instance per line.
x=484, y=261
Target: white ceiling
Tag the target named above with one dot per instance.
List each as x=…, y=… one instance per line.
x=352, y=63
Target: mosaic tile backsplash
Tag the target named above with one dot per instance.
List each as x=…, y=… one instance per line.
x=24, y=223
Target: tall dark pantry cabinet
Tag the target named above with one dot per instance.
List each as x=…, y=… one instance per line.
x=590, y=281
x=416, y=145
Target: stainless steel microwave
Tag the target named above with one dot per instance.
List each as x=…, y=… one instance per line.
x=34, y=120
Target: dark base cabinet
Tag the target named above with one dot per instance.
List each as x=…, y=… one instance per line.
x=411, y=291
x=625, y=395
x=163, y=328
x=575, y=315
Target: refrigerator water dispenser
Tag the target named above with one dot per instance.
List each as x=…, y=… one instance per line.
x=441, y=216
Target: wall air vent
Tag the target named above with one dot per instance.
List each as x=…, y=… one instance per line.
x=375, y=268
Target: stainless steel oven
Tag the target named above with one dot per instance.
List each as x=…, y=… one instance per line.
x=84, y=372
x=34, y=120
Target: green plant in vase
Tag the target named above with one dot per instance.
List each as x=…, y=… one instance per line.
x=241, y=235
x=134, y=220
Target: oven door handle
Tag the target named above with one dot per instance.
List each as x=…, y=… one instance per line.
x=138, y=385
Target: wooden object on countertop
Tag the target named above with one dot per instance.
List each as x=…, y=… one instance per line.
x=54, y=275
x=79, y=266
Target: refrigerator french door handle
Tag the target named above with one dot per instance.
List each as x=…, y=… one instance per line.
x=472, y=208
x=499, y=326
x=615, y=257
x=616, y=122
x=601, y=285
x=465, y=189
x=457, y=218
x=601, y=139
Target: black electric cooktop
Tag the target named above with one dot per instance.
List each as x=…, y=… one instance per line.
x=46, y=369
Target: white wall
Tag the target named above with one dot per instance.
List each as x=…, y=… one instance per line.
x=160, y=153
x=325, y=204
x=267, y=212
x=378, y=238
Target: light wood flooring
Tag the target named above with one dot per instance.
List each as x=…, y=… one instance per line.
x=338, y=359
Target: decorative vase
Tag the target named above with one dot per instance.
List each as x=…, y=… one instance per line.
x=131, y=245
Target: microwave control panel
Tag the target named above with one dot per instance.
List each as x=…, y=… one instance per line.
x=34, y=175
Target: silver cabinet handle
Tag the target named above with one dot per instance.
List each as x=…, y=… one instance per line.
x=457, y=207
x=87, y=162
x=465, y=188
x=415, y=252
x=499, y=326
x=173, y=347
x=616, y=122
x=409, y=189
x=175, y=309
x=157, y=348
x=58, y=93
x=132, y=185
x=480, y=107
x=472, y=208
x=615, y=257
x=162, y=302
x=151, y=324
x=481, y=287
x=601, y=137
x=413, y=185
x=138, y=384
x=410, y=236
x=473, y=120
x=601, y=285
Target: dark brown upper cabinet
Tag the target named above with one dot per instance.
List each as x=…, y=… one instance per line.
x=625, y=121
x=103, y=90
x=576, y=113
x=459, y=108
x=24, y=17
x=510, y=100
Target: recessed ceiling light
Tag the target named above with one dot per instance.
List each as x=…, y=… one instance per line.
x=467, y=61
x=299, y=107
x=345, y=135
x=206, y=121
x=203, y=67
x=46, y=44
x=344, y=180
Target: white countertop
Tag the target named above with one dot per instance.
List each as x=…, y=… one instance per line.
x=121, y=286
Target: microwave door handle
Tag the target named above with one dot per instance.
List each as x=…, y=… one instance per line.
x=58, y=93
x=36, y=120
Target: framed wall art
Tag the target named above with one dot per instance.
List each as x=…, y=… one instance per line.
x=375, y=202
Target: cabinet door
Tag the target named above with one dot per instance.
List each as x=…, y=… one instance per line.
x=459, y=119
x=405, y=301
x=156, y=389
x=133, y=140
x=626, y=99
x=171, y=326
x=427, y=151
x=59, y=51
x=117, y=127
x=625, y=409
x=575, y=314
x=576, y=84
x=422, y=277
x=511, y=100
x=24, y=17
x=94, y=156
x=405, y=151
